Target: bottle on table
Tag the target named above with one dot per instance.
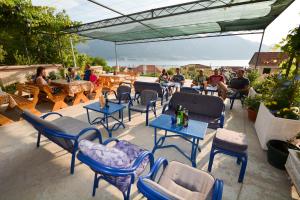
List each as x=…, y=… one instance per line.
x=179, y=115
x=185, y=117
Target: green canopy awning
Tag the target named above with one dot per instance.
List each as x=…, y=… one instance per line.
x=186, y=20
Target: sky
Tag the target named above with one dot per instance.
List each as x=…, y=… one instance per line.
x=84, y=11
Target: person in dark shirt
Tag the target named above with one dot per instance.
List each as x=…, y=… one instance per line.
x=178, y=79
x=87, y=72
x=238, y=84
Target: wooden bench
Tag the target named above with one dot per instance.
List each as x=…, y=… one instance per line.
x=29, y=101
x=4, y=120
x=57, y=99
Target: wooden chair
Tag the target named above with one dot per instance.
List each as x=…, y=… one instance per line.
x=57, y=99
x=27, y=102
x=4, y=120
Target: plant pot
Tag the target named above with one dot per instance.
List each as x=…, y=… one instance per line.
x=252, y=115
x=277, y=153
x=268, y=127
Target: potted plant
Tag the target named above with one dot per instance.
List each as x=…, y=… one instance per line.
x=278, y=116
x=278, y=150
x=252, y=103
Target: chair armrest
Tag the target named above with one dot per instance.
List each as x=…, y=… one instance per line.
x=160, y=162
x=140, y=159
x=50, y=113
x=165, y=108
x=151, y=104
x=99, y=167
x=83, y=131
x=218, y=190
x=109, y=140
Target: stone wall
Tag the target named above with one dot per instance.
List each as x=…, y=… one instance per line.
x=17, y=73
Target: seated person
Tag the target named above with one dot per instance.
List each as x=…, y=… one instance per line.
x=200, y=80
x=40, y=79
x=238, y=84
x=87, y=72
x=73, y=74
x=94, y=78
x=178, y=79
x=215, y=79
x=163, y=77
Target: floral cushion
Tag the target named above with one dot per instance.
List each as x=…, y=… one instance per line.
x=121, y=155
x=108, y=156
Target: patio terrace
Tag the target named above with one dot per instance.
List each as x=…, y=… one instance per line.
x=30, y=173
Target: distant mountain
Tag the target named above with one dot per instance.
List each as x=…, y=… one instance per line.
x=214, y=48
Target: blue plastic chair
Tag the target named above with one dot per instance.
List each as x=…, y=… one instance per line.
x=105, y=172
x=148, y=102
x=66, y=137
x=154, y=191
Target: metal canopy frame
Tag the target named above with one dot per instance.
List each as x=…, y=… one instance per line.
x=167, y=11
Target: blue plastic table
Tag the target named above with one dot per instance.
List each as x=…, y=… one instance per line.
x=195, y=131
x=107, y=113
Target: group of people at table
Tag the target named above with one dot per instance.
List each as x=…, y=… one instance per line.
x=237, y=84
x=200, y=81
x=40, y=78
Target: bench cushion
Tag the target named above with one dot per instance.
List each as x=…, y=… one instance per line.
x=205, y=105
x=213, y=123
x=72, y=126
x=64, y=125
x=230, y=140
x=187, y=182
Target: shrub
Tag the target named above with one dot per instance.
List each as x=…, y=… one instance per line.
x=54, y=75
x=253, y=102
x=253, y=75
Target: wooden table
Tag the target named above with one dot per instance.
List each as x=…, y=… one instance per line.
x=5, y=98
x=75, y=89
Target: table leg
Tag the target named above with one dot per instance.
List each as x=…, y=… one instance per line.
x=80, y=97
x=195, y=146
x=106, y=123
x=155, y=132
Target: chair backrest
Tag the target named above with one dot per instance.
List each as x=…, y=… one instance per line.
x=30, y=89
x=147, y=96
x=139, y=86
x=48, y=129
x=121, y=90
x=207, y=105
x=189, y=90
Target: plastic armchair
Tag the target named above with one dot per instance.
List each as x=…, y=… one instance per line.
x=152, y=194
x=104, y=172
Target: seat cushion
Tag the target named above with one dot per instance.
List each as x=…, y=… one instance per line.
x=105, y=155
x=230, y=140
x=139, y=108
x=187, y=182
x=158, y=188
x=122, y=155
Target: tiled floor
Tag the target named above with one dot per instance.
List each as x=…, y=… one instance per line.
x=29, y=173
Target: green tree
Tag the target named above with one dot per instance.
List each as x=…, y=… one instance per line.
x=32, y=34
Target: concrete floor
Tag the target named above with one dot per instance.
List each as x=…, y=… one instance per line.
x=29, y=173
